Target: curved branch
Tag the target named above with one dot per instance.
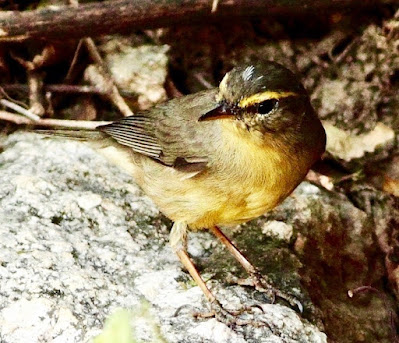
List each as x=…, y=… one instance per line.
x=107, y=17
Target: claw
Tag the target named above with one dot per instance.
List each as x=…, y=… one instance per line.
x=264, y=286
x=231, y=317
x=294, y=302
x=261, y=284
x=179, y=309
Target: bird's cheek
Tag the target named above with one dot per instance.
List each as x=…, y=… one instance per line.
x=278, y=123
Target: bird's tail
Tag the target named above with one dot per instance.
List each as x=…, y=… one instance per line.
x=99, y=141
x=74, y=134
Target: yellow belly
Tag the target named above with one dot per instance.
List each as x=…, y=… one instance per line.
x=208, y=200
x=245, y=179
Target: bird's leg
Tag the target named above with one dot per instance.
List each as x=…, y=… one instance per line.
x=260, y=282
x=178, y=241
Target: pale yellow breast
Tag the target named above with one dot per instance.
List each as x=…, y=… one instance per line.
x=247, y=176
x=244, y=180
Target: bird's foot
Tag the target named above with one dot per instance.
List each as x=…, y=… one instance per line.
x=263, y=285
x=231, y=318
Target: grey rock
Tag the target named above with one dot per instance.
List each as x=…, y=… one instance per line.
x=78, y=240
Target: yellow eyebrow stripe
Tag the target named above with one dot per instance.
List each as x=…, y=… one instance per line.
x=258, y=98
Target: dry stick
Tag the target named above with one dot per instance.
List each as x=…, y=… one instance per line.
x=114, y=95
x=72, y=124
x=35, y=82
x=35, y=77
x=19, y=109
x=203, y=82
x=4, y=94
x=73, y=63
x=93, y=19
x=215, y=4
x=56, y=88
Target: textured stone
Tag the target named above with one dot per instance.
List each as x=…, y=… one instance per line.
x=78, y=240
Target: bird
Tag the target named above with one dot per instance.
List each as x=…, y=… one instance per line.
x=219, y=157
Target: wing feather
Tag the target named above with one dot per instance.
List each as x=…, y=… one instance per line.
x=169, y=133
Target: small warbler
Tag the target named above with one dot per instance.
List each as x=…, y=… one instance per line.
x=219, y=157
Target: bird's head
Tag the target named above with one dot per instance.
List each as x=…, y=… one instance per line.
x=266, y=97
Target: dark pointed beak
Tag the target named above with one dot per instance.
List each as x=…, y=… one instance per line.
x=220, y=112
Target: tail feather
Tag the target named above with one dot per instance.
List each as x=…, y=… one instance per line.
x=101, y=142
x=77, y=134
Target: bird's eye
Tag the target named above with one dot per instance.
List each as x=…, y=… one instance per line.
x=267, y=106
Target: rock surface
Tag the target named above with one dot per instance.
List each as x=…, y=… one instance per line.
x=78, y=240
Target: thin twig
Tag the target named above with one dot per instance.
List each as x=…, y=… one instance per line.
x=20, y=109
x=57, y=88
x=113, y=95
x=75, y=124
x=73, y=63
x=203, y=82
x=171, y=89
x=344, y=53
x=5, y=94
x=93, y=52
x=215, y=4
